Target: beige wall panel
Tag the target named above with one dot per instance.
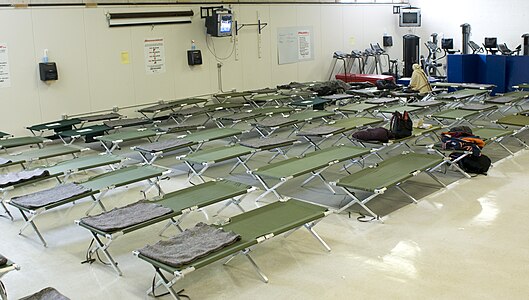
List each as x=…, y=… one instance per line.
x=20, y=102
x=111, y=79
x=281, y=16
x=62, y=32
x=158, y=86
x=310, y=15
x=256, y=70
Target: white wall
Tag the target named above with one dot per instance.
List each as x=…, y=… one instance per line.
x=92, y=77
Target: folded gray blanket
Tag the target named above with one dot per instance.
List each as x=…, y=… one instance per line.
x=48, y=293
x=163, y=145
x=3, y=260
x=123, y=217
x=49, y=196
x=4, y=161
x=19, y=177
x=190, y=245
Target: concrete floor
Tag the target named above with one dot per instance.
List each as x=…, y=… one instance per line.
x=463, y=242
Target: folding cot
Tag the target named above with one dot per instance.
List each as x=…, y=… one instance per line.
x=178, y=205
x=316, y=103
x=89, y=133
x=268, y=126
x=313, y=163
x=339, y=127
x=100, y=117
x=7, y=143
x=428, y=105
x=254, y=227
x=359, y=109
x=65, y=169
x=365, y=93
x=299, y=94
x=417, y=135
x=56, y=126
x=209, y=157
x=383, y=101
x=463, y=96
x=518, y=120
x=32, y=205
x=4, y=269
x=266, y=90
x=112, y=141
x=225, y=97
x=391, y=172
x=252, y=114
x=127, y=122
x=467, y=113
x=521, y=86
x=386, y=112
x=182, y=115
x=338, y=98
x=26, y=158
x=153, y=151
x=507, y=101
x=263, y=100
x=488, y=134
x=470, y=86
x=169, y=106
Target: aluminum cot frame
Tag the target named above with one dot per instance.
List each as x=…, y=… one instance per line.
x=26, y=158
x=101, y=185
x=255, y=227
x=209, y=157
x=269, y=126
x=195, y=139
x=183, y=202
x=8, y=267
x=313, y=163
x=66, y=169
x=392, y=172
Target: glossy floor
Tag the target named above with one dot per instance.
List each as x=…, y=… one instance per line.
x=468, y=241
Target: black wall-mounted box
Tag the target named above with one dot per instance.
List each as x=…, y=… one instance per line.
x=48, y=71
x=387, y=41
x=194, y=57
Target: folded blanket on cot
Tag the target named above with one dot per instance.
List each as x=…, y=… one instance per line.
x=123, y=217
x=4, y=161
x=163, y=145
x=48, y=293
x=3, y=260
x=19, y=177
x=49, y=196
x=190, y=245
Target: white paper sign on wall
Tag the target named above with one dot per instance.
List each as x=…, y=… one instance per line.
x=5, y=75
x=295, y=44
x=154, y=51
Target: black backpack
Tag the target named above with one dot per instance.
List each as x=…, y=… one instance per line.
x=401, y=125
x=474, y=164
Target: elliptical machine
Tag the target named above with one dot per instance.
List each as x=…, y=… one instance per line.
x=431, y=64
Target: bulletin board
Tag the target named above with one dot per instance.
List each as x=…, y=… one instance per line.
x=295, y=44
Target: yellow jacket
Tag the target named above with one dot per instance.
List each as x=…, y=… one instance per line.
x=419, y=82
